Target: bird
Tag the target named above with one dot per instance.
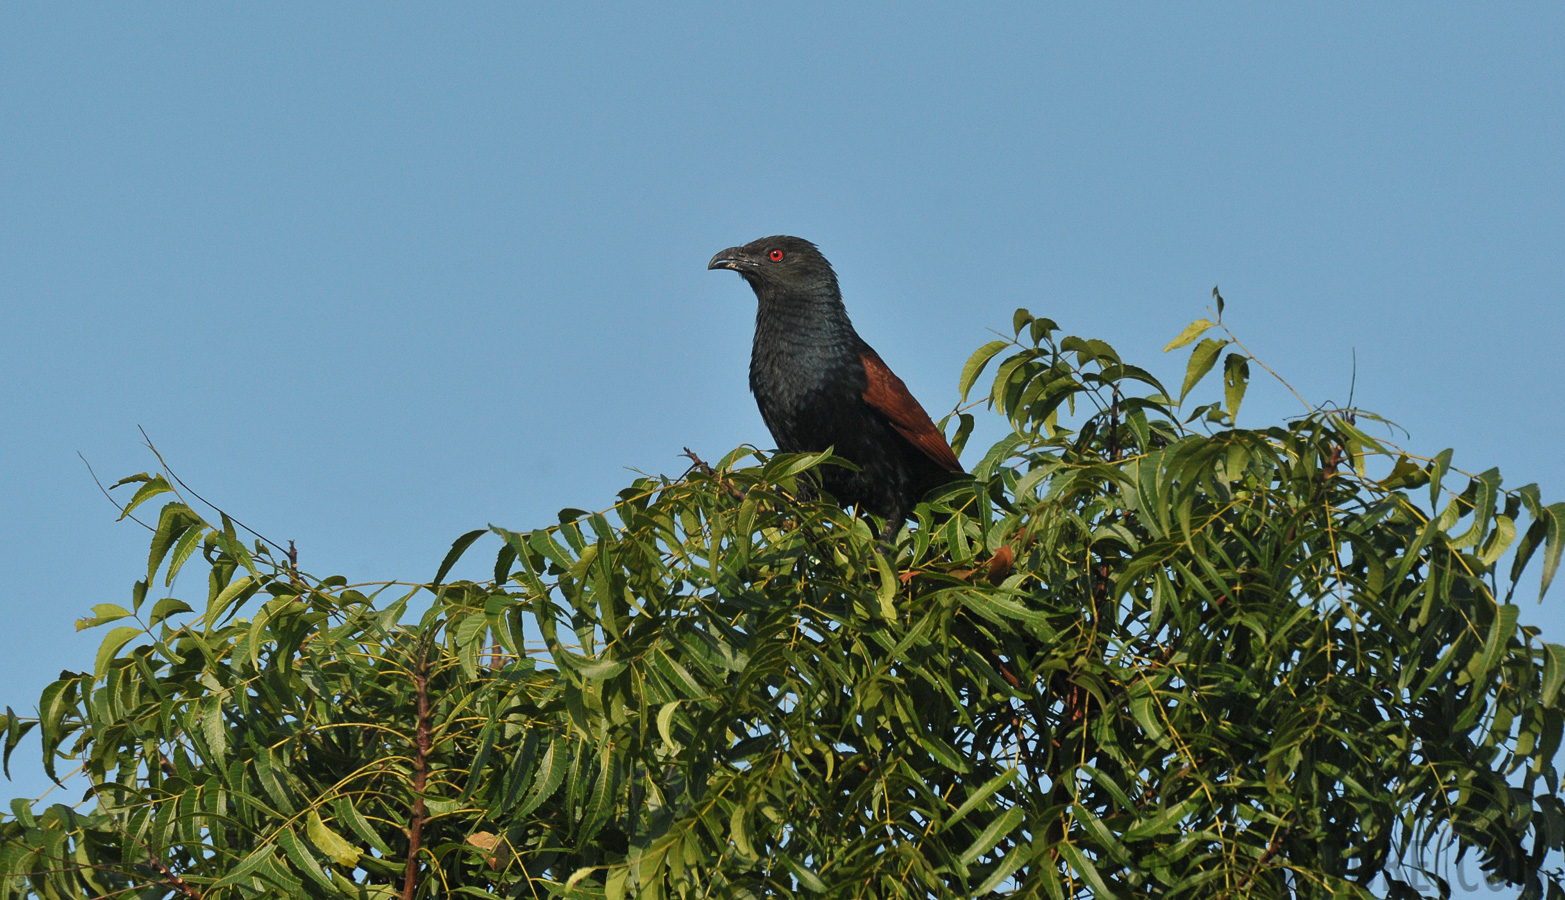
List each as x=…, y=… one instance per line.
x=819, y=385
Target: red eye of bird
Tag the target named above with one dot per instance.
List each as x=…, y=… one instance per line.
x=776, y=255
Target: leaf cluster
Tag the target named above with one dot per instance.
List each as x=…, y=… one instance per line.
x=1125, y=658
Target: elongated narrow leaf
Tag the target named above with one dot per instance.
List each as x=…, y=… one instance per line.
x=996, y=831
x=984, y=792
x=1202, y=358
x=1553, y=674
x=112, y=642
x=330, y=842
x=1553, y=543
x=976, y=363
x=1189, y=334
x=458, y=547
x=1236, y=378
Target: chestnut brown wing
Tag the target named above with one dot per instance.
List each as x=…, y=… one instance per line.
x=887, y=394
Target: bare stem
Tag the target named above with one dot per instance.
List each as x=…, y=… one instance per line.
x=420, y=772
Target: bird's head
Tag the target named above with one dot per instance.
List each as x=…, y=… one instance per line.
x=779, y=262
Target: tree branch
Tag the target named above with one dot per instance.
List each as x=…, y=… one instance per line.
x=420, y=772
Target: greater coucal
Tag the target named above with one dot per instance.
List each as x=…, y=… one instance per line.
x=819, y=385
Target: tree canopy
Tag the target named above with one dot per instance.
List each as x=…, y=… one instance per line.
x=1141, y=652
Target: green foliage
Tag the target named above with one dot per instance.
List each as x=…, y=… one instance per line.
x=1126, y=658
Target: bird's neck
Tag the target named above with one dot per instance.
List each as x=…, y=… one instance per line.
x=806, y=331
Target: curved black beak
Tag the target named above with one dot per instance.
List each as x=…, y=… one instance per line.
x=732, y=258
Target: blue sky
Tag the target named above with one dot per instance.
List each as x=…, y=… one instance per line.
x=374, y=275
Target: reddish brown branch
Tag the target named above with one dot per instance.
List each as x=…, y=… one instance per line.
x=420, y=773
x=180, y=885
x=697, y=464
x=293, y=568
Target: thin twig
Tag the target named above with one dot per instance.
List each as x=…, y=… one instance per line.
x=171, y=879
x=219, y=510
x=1240, y=344
x=697, y=464
x=110, y=497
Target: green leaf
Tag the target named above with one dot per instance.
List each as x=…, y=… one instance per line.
x=15, y=729
x=1164, y=822
x=992, y=835
x=112, y=642
x=1236, y=377
x=807, y=878
x=1192, y=331
x=173, y=522
x=1499, y=541
x=665, y=722
x=1089, y=872
x=330, y=842
x=1500, y=632
x=1008, y=866
x=984, y=792
x=886, y=594
x=1552, y=545
x=976, y=363
x=458, y=547
x=551, y=772
x=348, y=814
x=213, y=728
x=244, y=585
x=153, y=486
x=168, y=606
x=1202, y=358
x=1553, y=675
x=594, y=669
x=302, y=858
x=183, y=547
x=254, y=862
x=102, y=614
x=1438, y=467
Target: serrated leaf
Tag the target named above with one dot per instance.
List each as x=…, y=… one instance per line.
x=458, y=547
x=301, y=857
x=1500, y=632
x=992, y=835
x=1008, y=866
x=112, y=642
x=1089, y=871
x=551, y=772
x=1202, y=358
x=213, y=728
x=102, y=614
x=1552, y=544
x=1192, y=331
x=168, y=606
x=222, y=601
x=976, y=363
x=979, y=796
x=1553, y=674
x=151, y=487
x=594, y=668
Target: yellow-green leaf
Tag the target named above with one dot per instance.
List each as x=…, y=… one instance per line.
x=1202, y=358
x=330, y=842
x=1192, y=331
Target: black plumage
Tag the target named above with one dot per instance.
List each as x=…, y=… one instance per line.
x=819, y=385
